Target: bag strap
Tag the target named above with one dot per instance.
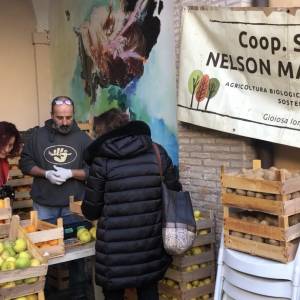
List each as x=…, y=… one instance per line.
x=156, y=150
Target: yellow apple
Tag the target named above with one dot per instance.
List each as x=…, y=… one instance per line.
x=31, y=280
x=20, y=245
x=32, y=297
x=85, y=236
x=22, y=262
x=35, y=262
x=93, y=232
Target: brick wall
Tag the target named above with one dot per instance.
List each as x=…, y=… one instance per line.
x=202, y=151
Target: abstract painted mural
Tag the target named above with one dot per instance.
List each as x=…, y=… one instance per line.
x=118, y=53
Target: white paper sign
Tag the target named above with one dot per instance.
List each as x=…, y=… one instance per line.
x=240, y=72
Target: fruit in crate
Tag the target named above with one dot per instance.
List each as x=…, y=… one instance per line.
x=84, y=236
x=93, y=232
x=21, y=298
x=22, y=262
x=1, y=247
x=8, y=265
x=31, y=280
x=32, y=297
x=30, y=228
x=197, y=214
x=20, y=245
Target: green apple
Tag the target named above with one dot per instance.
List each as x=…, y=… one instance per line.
x=24, y=254
x=11, y=251
x=8, y=244
x=20, y=245
x=8, y=265
x=197, y=213
x=22, y=262
x=85, y=236
x=1, y=247
x=79, y=230
x=8, y=285
x=1, y=261
x=5, y=254
x=18, y=282
x=93, y=232
x=31, y=280
x=35, y=262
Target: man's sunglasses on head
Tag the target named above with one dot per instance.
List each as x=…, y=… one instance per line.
x=61, y=101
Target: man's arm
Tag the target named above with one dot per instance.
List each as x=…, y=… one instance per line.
x=37, y=172
x=79, y=174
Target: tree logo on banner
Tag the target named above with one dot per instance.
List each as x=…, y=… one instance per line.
x=202, y=87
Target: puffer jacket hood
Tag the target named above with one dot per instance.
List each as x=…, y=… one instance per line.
x=128, y=141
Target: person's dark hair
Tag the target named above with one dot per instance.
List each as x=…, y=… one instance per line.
x=61, y=100
x=110, y=120
x=7, y=131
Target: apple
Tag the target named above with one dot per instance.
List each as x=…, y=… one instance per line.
x=24, y=254
x=197, y=214
x=11, y=258
x=8, y=285
x=8, y=244
x=5, y=254
x=22, y=262
x=32, y=297
x=10, y=251
x=79, y=230
x=31, y=280
x=21, y=298
x=18, y=282
x=8, y=265
x=1, y=261
x=85, y=236
x=1, y=247
x=93, y=231
x=35, y=262
x=20, y=245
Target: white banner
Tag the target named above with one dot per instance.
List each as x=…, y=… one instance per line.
x=240, y=72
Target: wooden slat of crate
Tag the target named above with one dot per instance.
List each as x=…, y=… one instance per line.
x=15, y=173
x=5, y=212
x=204, y=224
x=13, y=160
x=186, y=294
x=272, y=232
x=188, y=260
x=20, y=182
x=252, y=203
x=22, y=204
x=291, y=185
x=274, y=207
x=75, y=207
x=278, y=253
x=255, y=185
x=206, y=239
x=185, y=277
x=23, y=290
x=21, y=195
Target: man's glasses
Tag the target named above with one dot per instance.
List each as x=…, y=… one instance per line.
x=62, y=101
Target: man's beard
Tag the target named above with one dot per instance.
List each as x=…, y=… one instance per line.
x=63, y=129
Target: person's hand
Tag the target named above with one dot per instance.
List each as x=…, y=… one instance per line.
x=63, y=173
x=53, y=177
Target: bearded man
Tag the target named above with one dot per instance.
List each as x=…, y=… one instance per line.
x=53, y=155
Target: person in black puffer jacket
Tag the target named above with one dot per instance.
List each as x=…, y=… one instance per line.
x=123, y=193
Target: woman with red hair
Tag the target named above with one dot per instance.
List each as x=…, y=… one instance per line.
x=9, y=146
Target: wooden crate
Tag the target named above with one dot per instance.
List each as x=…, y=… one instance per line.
x=279, y=205
x=46, y=232
x=21, y=183
x=75, y=206
x=5, y=216
x=16, y=231
x=87, y=127
x=198, y=268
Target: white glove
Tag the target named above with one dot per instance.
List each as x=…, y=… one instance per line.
x=63, y=173
x=53, y=177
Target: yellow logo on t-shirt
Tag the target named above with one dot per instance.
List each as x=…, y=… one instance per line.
x=60, y=154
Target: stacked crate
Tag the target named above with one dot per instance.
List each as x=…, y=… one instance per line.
x=5, y=217
x=192, y=275
x=21, y=282
x=262, y=212
x=21, y=184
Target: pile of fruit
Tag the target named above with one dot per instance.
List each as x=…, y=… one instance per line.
x=188, y=286
x=14, y=255
x=28, y=297
x=84, y=235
